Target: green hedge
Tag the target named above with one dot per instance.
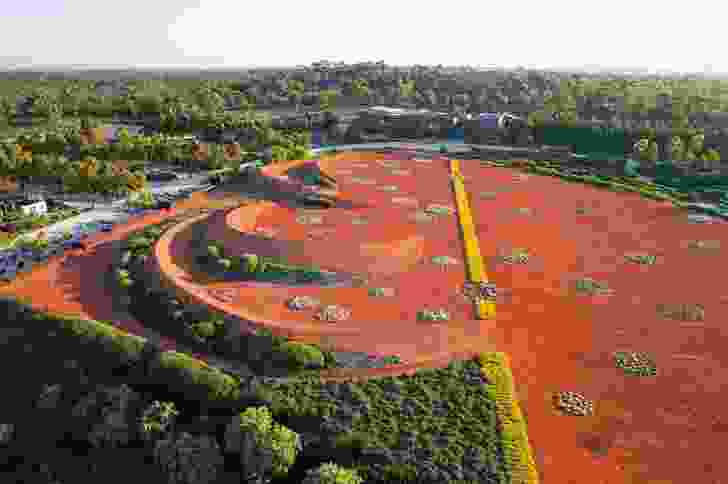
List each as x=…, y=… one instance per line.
x=301, y=354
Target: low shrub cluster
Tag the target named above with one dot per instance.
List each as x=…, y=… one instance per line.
x=435, y=426
x=258, y=268
x=433, y=315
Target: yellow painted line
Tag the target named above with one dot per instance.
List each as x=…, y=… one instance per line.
x=476, y=270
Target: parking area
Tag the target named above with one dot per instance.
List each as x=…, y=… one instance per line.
x=69, y=234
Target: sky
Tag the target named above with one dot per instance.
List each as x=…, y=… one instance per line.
x=643, y=34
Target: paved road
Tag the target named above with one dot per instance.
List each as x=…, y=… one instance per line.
x=114, y=211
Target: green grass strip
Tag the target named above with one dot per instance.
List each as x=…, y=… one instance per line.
x=520, y=465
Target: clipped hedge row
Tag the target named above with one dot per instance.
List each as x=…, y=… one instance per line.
x=517, y=450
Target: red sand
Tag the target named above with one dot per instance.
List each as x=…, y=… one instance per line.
x=661, y=429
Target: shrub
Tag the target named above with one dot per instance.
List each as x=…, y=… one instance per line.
x=236, y=263
x=225, y=264
x=199, y=381
x=400, y=473
x=125, y=258
x=436, y=315
x=122, y=274
x=213, y=251
x=269, y=435
x=152, y=232
x=355, y=441
x=139, y=242
x=125, y=282
x=157, y=418
x=330, y=473
x=249, y=262
x=204, y=329
x=302, y=355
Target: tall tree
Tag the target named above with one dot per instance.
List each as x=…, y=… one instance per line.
x=295, y=90
x=327, y=99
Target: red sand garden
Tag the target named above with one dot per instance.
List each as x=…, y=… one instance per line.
x=662, y=428
x=666, y=428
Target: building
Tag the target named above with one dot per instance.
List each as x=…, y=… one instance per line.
x=404, y=123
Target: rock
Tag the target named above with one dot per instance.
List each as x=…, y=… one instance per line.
x=189, y=459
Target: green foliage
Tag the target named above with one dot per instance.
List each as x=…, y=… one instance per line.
x=157, y=417
x=355, y=441
x=473, y=425
x=301, y=354
x=330, y=473
x=400, y=473
x=125, y=282
x=432, y=315
x=284, y=443
x=199, y=381
x=225, y=264
x=250, y=262
x=213, y=251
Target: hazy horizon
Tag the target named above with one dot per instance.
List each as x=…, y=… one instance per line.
x=226, y=35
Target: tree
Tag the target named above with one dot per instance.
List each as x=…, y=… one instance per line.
x=360, y=88
x=256, y=426
x=677, y=148
x=326, y=99
x=295, y=90
x=652, y=152
x=696, y=143
x=406, y=89
x=330, y=473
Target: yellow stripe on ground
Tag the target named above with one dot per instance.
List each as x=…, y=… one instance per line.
x=476, y=269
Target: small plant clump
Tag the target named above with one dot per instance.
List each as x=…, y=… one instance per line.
x=381, y=291
x=642, y=259
x=439, y=210
x=444, y=260
x=517, y=256
x=433, y=315
x=682, y=312
x=249, y=262
x=309, y=219
x=298, y=303
x=704, y=244
x=591, y=287
x=572, y=403
x=392, y=360
x=332, y=313
x=474, y=291
x=635, y=363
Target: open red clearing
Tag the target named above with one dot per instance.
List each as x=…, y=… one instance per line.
x=664, y=428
